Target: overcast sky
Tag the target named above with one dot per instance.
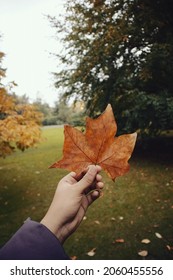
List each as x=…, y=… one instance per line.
x=27, y=42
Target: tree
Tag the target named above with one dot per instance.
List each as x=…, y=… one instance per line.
x=48, y=112
x=23, y=99
x=120, y=52
x=19, y=123
x=70, y=113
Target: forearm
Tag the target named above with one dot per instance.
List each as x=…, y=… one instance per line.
x=33, y=241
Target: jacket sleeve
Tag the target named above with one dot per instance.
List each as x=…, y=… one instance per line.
x=33, y=241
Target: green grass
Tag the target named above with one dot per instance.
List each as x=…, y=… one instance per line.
x=135, y=207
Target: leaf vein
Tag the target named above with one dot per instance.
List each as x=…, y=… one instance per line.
x=78, y=147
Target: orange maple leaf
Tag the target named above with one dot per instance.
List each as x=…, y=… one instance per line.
x=98, y=145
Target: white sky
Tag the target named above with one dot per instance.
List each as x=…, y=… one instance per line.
x=27, y=42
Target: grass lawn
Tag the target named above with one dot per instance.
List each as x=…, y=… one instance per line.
x=136, y=206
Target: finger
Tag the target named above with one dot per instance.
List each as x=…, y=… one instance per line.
x=92, y=196
x=95, y=186
x=98, y=177
x=99, y=185
x=88, y=178
x=78, y=177
x=98, y=168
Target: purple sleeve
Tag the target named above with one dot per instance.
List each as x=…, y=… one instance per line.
x=33, y=241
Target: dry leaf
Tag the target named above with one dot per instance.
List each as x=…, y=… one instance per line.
x=170, y=248
x=143, y=253
x=98, y=145
x=158, y=235
x=121, y=218
x=155, y=226
x=145, y=241
x=92, y=252
x=73, y=258
x=97, y=222
x=119, y=241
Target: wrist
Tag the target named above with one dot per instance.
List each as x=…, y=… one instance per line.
x=56, y=229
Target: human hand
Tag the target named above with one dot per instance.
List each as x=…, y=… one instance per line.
x=72, y=198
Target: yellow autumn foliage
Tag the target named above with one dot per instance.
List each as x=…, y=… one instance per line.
x=19, y=123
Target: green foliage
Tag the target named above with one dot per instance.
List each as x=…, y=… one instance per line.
x=120, y=52
x=49, y=117
x=23, y=99
x=63, y=112
x=71, y=114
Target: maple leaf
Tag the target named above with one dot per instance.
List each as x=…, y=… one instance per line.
x=98, y=145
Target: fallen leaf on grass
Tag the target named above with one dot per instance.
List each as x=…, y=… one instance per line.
x=73, y=258
x=170, y=248
x=92, y=252
x=97, y=222
x=155, y=226
x=98, y=145
x=158, y=235
x=121, y=240
x=145, y=241
x=121, y=218
x=143, y=253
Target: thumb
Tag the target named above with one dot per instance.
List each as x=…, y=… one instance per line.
x=88, y=178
